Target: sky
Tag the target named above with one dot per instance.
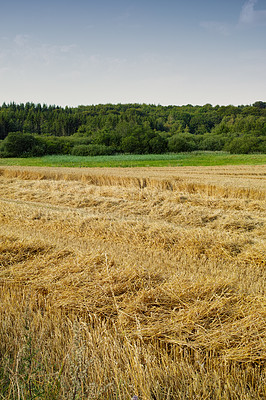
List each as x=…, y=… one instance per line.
x=82, y=52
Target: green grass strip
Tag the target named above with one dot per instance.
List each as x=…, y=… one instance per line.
x=140, y=160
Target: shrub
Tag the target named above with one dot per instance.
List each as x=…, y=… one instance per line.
x=181, y=143
x=58, y=145
x=213, y=143
x=92, y=150
x=80, y=150
x=18, y=144
x=158, y=144
x=131, y=144
x=246, y=144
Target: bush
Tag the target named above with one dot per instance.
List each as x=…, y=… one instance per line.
x=213, y=143
x=246, y=144
x=59, y=145
x=80, y=150
x=158, y=144
x=181, y=143
x=18, y=144
x=131, y=144
x=92, y=150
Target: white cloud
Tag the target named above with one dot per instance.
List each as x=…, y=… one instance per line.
x=247, y=12
x=24, y=50
x=67, y=48
x=216, y=26
x=251, y=16
x=21, y=40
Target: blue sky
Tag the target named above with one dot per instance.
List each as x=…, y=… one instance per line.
x=71, y=52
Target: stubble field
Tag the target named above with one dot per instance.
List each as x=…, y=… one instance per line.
x=121, y=282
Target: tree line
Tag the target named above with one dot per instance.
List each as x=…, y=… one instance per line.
x=34, y=129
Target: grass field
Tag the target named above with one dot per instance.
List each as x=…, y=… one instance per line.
x=146, y=160
x=133, y=281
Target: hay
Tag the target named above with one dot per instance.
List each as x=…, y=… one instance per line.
x=153, y=280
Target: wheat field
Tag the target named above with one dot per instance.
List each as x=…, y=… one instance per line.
x=120, y=282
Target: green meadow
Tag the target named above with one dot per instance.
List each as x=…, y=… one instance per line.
x=142, y=160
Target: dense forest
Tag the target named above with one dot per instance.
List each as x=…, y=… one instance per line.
x=34, y=129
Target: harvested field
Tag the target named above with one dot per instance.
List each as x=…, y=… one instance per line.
x=122, y=282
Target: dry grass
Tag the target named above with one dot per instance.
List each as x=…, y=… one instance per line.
x=132, y=281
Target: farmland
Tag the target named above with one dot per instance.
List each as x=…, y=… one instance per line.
x=133, y=281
